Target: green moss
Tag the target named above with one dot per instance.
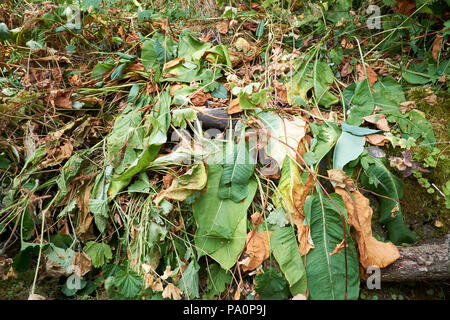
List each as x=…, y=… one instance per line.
x=420, y=208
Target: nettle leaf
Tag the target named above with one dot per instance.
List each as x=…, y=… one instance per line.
x=329, y=276
x=100, y=253
x=129, y=283
x=238, y=169
x=379, y=179
x=285, y=250
x=221, y=223
x=189, y=280
x=218, y=278
x=98, y=203
x=271, y=285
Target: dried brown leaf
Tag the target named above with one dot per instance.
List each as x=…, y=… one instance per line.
x=377, y=139
x=172, y=292
x=371, y=251
x=234, y=106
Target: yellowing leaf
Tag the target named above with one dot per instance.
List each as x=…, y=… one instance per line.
x=172, y=292
x=371, y=251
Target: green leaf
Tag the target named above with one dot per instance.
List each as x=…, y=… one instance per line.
x=5, y=34
x=218, y=278
x=129, y=283
x=221, y=224
x=189, y=280
x=118, y=72
x=220, y=92
x=192, y=49
x=363, y=103
x=238, y=169
x=325, y=137
x=260, y=29
x=348, y=148
x=181, y=116
x=329, y=276
x=285, y=250
x=159, y=121
x=323, y=78
x=379, y=179
x=271, y=285
x=100, y=253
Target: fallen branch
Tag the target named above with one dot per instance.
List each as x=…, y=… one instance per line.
x=421, y=262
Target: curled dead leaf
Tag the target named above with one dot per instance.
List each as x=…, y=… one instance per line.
x=173, y=63
x=83, y=263
x=371, y=251
x=338, y=248
x=172, y=292
x=377, y=139
x=223, y=26
x=257, y=250
x=379, y=120
x=371, y=74
x=234, y=107
x=407, y=106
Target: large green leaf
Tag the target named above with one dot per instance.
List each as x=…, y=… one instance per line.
x=325, y=137
x=285, y=250
x=323, y=79
x=363, y=103
x=222, y=223
x=379, y=179
x=238, y=169
x=134, y=162
x=350, y=144
x=330, y=277
x=271, y=285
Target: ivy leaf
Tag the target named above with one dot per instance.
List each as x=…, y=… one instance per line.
x=100, y=253
x=129, y=283
x=271, y=285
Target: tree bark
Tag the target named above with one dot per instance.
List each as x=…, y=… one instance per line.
x=428, y=261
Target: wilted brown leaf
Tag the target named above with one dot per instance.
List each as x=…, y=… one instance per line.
x=200, y=98
x=157, y=285
x=372, y=75
x=223, y=26
x=407, y=106
x=234, y=107
x=83, y=262
x=371, y=251
x=257, y=250
x=172, y=292
x=405, y=7
x=340, y=179
x=379, y=120
x=377, y=139
x=173, y=63
x=346, y=44
x=338, y=248
x=60, y=99
x=34, y=296
x=345, y=70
